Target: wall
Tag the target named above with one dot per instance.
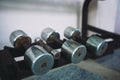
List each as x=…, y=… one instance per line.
x=117, y=26
x=103, y=14
x=32, y=20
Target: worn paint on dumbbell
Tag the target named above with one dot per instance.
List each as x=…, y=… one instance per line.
x=19, y=39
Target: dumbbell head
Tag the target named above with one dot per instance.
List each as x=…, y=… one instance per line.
x=49, y=35
x=71, y=32
x=18, y=38
x=74, y=51
x=96, y=45
x=39, y=60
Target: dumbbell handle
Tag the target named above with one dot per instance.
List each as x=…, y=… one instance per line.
x=58, y=41
x=80, y=40
x=45, y=46
x=55, y=53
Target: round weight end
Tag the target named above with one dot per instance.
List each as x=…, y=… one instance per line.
x=102, y=47
x=16, y=34
x=71, y=32
x=49, y=34
x=79, y=54
x=42, y=64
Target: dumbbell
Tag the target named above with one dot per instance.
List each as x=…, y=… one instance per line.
x=54, y=52
x=73, y=51
x=39, y=60
x=50, y=36
x=94, y=44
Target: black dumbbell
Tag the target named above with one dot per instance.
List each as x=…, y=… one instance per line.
x=94, y=44
x=74, y=51
x=36, y=56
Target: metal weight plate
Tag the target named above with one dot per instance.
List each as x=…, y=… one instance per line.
x=49, y=34
x=74, y=51
x=39, y=60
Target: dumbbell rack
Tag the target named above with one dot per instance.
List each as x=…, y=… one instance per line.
x=16, y=70
x=103, y=34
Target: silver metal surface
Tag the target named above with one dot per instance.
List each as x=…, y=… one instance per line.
x=48, y=33
x=39, y=60
x=54, y=52
x=71, y=32
x=96, y=45
x=37, y=39
x=74, y=51
x=16, y=34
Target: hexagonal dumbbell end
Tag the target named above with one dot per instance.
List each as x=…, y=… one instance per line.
x=71, y=32
x=19, y=38
x=74, y=51
x=39, y=60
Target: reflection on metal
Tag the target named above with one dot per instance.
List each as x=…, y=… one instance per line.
x=74, y=51
x=71, y=32
x=18, y=38
x=49, y=35
x=39, y=60
x=96, y=45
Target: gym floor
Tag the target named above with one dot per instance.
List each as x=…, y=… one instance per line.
x=106, y=68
